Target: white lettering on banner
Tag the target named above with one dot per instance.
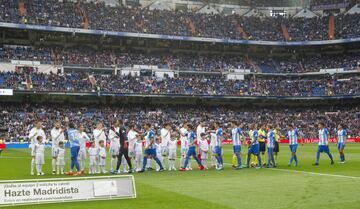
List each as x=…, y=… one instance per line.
x=68, y=189
x=6, y=92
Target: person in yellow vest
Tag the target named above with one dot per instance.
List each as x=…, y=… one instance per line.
x=278, y=136
x=262, y=137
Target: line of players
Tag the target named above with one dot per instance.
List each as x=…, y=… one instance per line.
x=127, y=144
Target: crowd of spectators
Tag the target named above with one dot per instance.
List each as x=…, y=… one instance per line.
x=18, y=119
x=194, y=85
x=88, y=57
x=184, y=23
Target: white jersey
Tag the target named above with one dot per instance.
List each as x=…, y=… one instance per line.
x=183, y=138
x=60, y=152
x=132, y=138
x=57, y=135
x=114, y=138
x=83, y=139
x=323, y=137
x=98, y=136
x=199, y=131
x=138, y=147
x=102, y=156
x=34, y=133
x=93, y=152
x=172, y=144
x=203, y=144
x=165, y=136
x=39, y=149
x=213, y=138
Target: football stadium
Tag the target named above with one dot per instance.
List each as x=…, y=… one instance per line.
x=179, y=104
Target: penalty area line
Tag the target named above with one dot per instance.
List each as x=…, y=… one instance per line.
x=314, y=173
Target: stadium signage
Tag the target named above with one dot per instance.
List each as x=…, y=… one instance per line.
x=6, y=92
x=36, y=191
x=171, y=37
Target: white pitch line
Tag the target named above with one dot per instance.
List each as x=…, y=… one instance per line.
x=314, y=173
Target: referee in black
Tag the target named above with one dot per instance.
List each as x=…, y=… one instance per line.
x=123, y=147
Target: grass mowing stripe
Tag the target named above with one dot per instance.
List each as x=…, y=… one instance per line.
x=314, y=173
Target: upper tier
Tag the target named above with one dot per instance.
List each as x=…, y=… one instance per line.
x=178, y=23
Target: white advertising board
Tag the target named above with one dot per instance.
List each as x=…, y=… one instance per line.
x=6, y=92
x=37, y=191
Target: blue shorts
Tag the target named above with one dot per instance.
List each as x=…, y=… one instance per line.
x=341, y=146
x=254, y=149
x=150, y=152
x=237, y=148
x=191, y=151
x=217, y=150
x=323, y=148
x=75, y=151
x=293, y=148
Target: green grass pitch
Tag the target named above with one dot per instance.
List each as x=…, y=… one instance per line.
x=281, y=188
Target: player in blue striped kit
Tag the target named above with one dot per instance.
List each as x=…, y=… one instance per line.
x=191, y=136
x=150, y=150
x=292, y=135
x=217, y=146
x=236, y=133
x=341, y=140
x=270, y=136
x=254, y=146
x=74, y=139
x=323, y=144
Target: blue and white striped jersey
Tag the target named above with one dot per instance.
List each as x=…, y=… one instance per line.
x=254, y=136
x=293, y=136
x=270, y=139
x=74, y=137
x=149, y=136
x=341, y=134
x=191, y=136
x=235, y=135
x=219, y=134
x=323, y=136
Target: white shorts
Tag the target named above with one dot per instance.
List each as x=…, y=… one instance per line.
x=102, y=161
x=131, y=152
x=114, y=150
x=82, y=154
x=60, y=161
x=39, y=159
x=164, y=151
x=184, y=151
x=93, y=161
x=53, y=152
x=204, y=155
x=172, y=154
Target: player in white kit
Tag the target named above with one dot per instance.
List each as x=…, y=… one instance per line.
x=33, y=134
x=83, y=138
x=114, y=145
x=165, y=134
x=137, y=150
x=133, y=136
x=102, y=156
x=60, y=158
x=99, y=134
x=57, y=135
x=93, y=153
x=38, y=152
x=204, y=150
x=172, y=146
